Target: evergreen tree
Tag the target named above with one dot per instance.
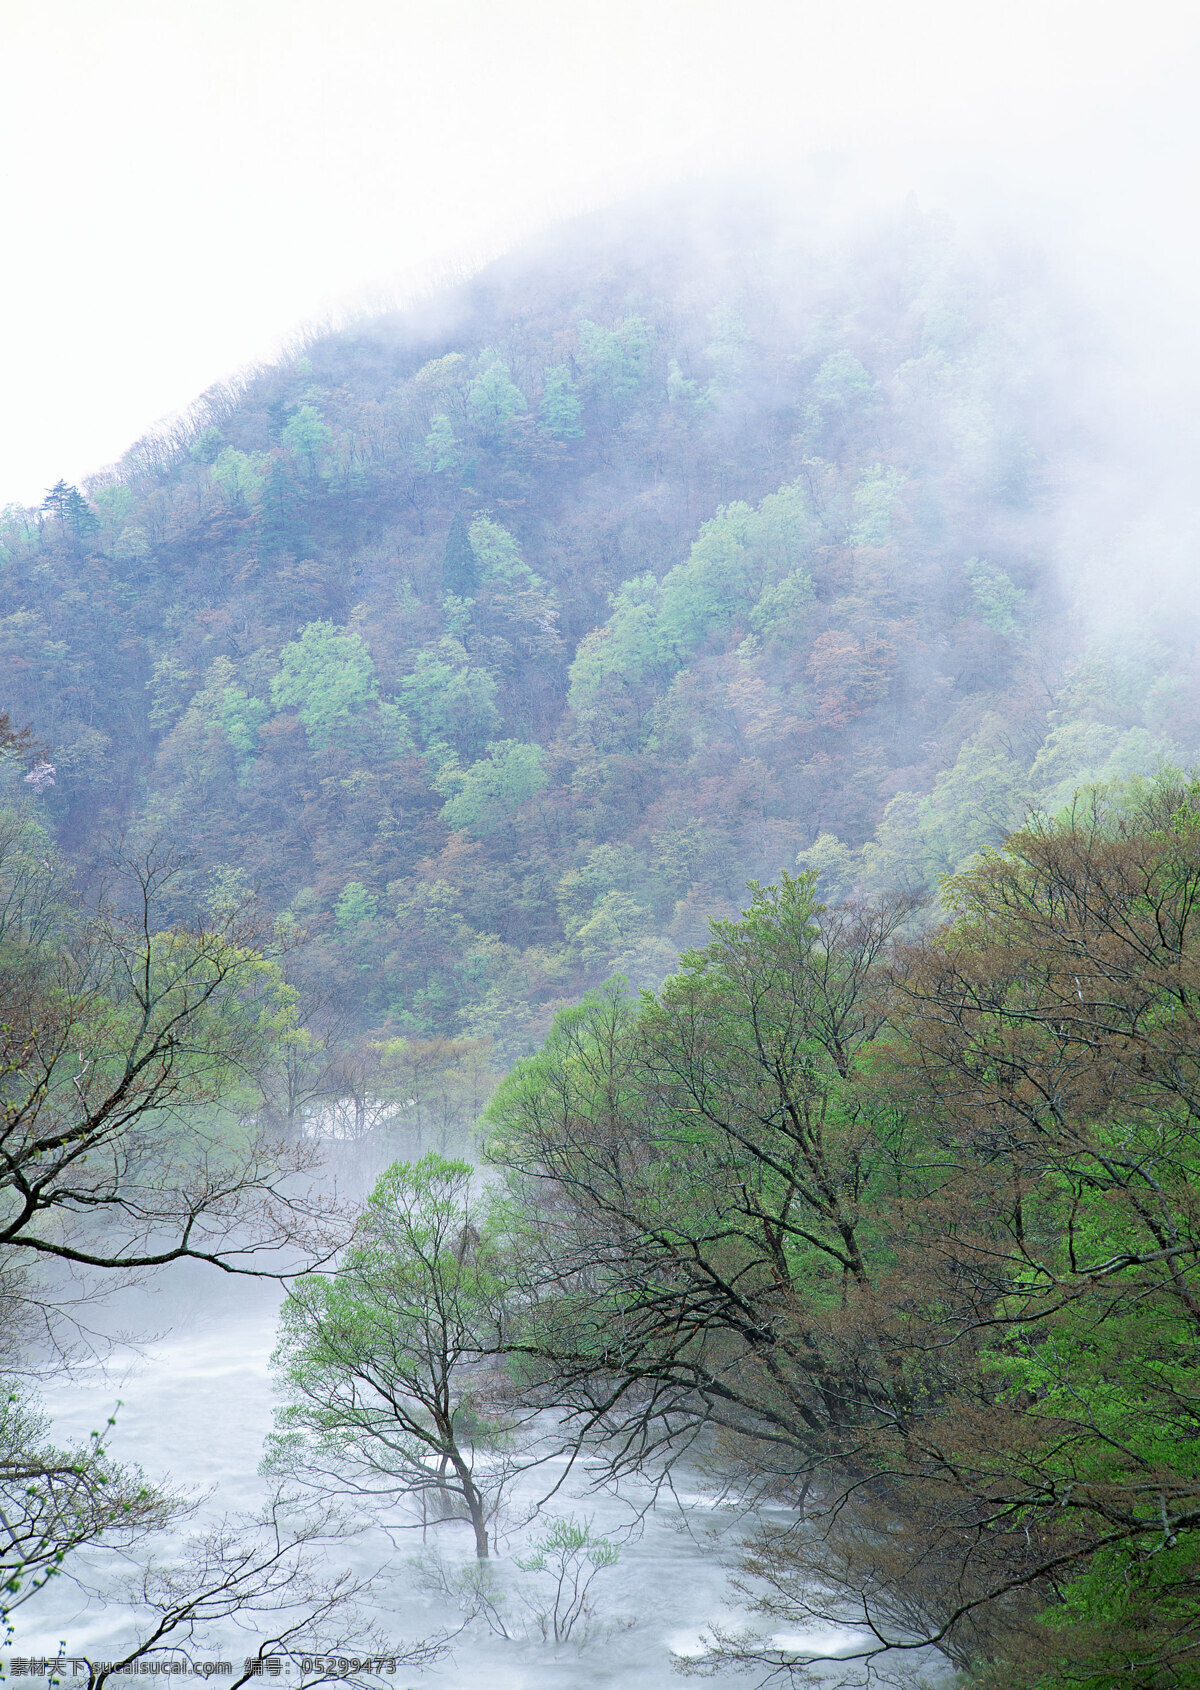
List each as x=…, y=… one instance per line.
x=70, y=510
x=460, y=569
x=282, y=528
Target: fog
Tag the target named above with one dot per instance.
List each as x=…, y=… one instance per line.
x=195, y=183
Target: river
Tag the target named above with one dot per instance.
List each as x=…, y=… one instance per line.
x=196, y=1403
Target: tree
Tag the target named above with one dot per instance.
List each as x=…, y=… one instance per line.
x=268, y=1566
x=281, y=525
x=451, y=704
x=460, y=573
x=305, y=1072
x=124, y=1040
x=55, y=1501
x=309, y=436
x=388, y=1366
x=237, y=476
x=440, y=451
x=560, y=408
x=436, y=1086
x=493, y=396
x=70, y=510
x=20, y=742
x=615, y=362
x=488, y=795
x=328, y=677
x=709, y=1155
x=915, y=1225
x=120, y=1035
x=571, y=1553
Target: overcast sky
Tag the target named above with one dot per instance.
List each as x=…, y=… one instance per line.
x=186, y=181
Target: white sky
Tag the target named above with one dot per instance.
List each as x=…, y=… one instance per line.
x=185, y=181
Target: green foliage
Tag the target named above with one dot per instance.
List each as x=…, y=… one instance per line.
x=487, y=795
x=560, y=408
x=237, y=475
x=460, y=573
x=216, y=735
x=996, y=597
x=132, y=545
x=615, y=362
x=70, y=510
x=655, y=628
x=355, y=905
x=732, y=611
x=783, y=610
x=493, y=396
x=207, y=445
x=497, y=554
x=241, y=718
x=875, y=504
x=328, y=677
x=841, y=382
x=919, y=1230
x=569, y=1552
x=449, y=703
x=114, y=502
x=380, y=1364
x=169, y=687
x=440, y=452
x=309, y=436
x=972, y=807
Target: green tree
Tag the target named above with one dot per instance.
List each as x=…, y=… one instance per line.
x=494, y=397
x=570, y=1552
x=441, y=451
x=876, y=506
x=207, y=445
x=498, y=555
x=996, y=596
x=487, y=796
x=281, y=525
x=70, y=510
x=309, y=436
x=460, y=572
x=387, y=1367
x=237, y=476
x=450, y=703
x=615, y=362
x=355, y=905
x=560, y=408
x=328, y=677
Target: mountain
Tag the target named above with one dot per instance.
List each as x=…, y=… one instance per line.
x=499, y=641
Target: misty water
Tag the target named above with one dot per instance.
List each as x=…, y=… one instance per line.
x=195, y=1404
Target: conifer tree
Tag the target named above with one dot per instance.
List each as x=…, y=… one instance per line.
x=460, y=569
x=282, y=528
x=70, y=510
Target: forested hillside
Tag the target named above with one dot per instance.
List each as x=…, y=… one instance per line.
x=466, y=658
x=502, y=641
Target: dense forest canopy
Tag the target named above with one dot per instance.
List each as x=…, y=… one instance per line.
x=501, y=641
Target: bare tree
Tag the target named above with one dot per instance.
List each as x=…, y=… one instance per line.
x=120, y=1040
x=125, y=1039
x=265, y=1567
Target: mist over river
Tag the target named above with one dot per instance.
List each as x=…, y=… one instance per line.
x=195, y=1405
